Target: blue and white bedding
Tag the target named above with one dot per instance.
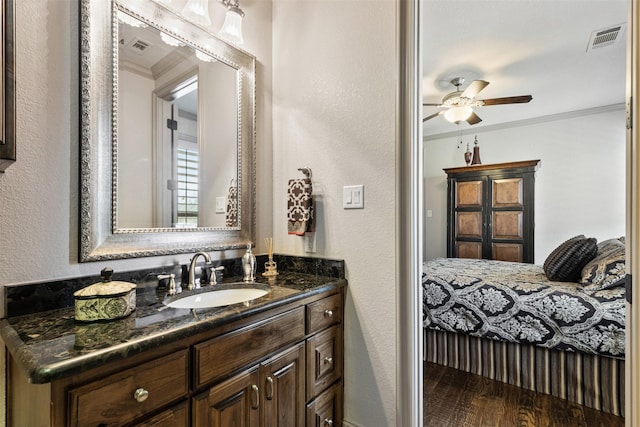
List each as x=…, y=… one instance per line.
x=516, y=302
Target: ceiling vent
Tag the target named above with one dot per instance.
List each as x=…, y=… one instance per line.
x=138, y=46
x=605, y=37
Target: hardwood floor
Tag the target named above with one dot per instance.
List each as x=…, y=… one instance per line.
x=455, y=398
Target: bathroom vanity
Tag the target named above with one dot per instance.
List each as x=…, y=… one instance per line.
x=276, y=360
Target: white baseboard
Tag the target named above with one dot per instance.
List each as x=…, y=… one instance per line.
x=347, y=423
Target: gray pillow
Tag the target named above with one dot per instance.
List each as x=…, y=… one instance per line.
x=566, y=262
x=607, y=269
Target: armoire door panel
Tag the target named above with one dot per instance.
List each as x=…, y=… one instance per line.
x=507, y=225
x=469, y=224
x=469, y=250
x=507, y=252
x=507, y=193
x=490, y=211
x=469, y=194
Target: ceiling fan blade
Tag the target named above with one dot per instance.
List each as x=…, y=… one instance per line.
x=432, y=116
x=474, y=88
x=433, y=105
x=508, y=100
x=473, y=119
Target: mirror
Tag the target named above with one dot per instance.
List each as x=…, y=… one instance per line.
x=167, y=135
x=7, y=86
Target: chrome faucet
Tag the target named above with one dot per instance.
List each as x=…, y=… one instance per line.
x=192, y=270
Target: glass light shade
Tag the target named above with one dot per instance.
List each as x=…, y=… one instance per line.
x=130, y=20
x=171, y=41
x=197, y=11
x=232, y=27
x=458, y=114
x=204, y=57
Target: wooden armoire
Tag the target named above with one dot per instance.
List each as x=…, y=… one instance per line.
x=490, y=211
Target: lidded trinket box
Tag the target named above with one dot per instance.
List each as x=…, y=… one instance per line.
x=106, y=300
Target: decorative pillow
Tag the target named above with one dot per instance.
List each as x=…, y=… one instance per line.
x=607, y=269
x=566, y=261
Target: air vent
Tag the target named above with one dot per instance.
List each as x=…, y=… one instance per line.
x=140, y=45
x=605, y=37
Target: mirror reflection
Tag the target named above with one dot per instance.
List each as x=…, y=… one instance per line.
x=177, y=133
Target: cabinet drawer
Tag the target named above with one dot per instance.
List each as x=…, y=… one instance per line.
x=177, y=416
x=326, y=410
x=324, y=360
x=221, y=356
x=324, y=313
x=112, y=401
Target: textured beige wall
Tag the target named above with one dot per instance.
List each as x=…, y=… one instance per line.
x=334, y=82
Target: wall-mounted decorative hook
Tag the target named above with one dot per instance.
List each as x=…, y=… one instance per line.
x=306, y=171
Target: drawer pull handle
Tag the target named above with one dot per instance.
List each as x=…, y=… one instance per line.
x=255, y=398
x=141, y=395
x=269, y=391
x=328, y=360
x=328, y=313
x=328, y=422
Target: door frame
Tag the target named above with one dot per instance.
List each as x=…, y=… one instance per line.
x=632, y=344
x=409, y=189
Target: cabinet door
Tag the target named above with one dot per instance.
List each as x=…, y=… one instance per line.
x=282, y=379
x=233, y=403
x=507, y=219
x=468, y=218
x=326, y=409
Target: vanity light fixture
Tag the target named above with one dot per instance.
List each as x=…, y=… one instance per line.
x=204, y=57
x=130, y=20
x=232, y=27
x=171, y=41
x=197, y=11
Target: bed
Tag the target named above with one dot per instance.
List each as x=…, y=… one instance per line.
x=508, y=321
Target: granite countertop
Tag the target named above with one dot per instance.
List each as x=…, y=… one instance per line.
x=51, y=345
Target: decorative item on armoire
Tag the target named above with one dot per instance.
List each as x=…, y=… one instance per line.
x=467, y=155
x=232, y=205
x=300, y=205
x=476, y=152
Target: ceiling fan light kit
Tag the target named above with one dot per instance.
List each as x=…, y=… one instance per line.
x=459, y=104
x=458, y=114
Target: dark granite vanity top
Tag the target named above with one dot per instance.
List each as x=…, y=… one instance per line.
x=51, y=344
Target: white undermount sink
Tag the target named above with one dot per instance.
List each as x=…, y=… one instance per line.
x=219, y=297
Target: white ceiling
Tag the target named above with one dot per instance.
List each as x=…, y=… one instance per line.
x=522, y=47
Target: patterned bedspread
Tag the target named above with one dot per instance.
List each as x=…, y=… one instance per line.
x=515, y=302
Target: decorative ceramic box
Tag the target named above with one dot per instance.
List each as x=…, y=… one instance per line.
x=106, y=300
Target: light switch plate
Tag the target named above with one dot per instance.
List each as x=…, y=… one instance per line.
x=220, y=205
x=353, y=197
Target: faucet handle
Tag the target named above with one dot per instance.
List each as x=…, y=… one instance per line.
x=208, y=276
x=172, y=288
x=214, y=276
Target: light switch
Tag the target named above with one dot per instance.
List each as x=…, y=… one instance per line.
x=353, y=197
x=220, y=205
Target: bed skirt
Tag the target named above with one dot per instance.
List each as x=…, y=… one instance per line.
x=590, y=380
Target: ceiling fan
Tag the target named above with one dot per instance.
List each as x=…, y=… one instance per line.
x=459, y=104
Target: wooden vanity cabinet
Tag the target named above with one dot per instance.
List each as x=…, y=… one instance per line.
x=275, y=369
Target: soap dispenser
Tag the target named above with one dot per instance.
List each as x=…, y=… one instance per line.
x=249, y=265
